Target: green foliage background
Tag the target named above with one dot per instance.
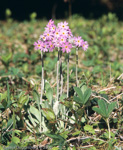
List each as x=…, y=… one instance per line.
x=100, y=68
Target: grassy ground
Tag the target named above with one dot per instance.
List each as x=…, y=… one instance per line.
x=100, y=68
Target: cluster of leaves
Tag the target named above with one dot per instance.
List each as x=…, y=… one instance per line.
x=89, y=115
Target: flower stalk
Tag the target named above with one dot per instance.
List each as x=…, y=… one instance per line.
x=77, y=66
x=42, y=80
x=68, y=76
x=58, y=76
x=109, y=130
x=61, y=74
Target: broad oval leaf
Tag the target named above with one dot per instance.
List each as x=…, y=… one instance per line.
x=79, y=92
x=111, y=107
x=16, y=140
x=87, y=94
x=103, y=106
x=89, y=128
x=49, y=94
x=36, y=97
x=78, y=100
x=35, y=112
x=49, y=114
x=97, y=110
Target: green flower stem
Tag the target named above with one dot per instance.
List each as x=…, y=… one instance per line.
x=68, y=76
x=14, y=123
x=107, y=121
x=61, y=74
x=76, y=66
x=42, y=82
x=58, y=76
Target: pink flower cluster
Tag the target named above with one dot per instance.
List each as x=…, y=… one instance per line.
x=59, y=36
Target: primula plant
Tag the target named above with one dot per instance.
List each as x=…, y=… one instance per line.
x=59, y=38
x=79, y=103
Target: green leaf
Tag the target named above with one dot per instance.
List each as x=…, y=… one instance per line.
x=80, y=111
x=6, y=58
x=47, y=85
x=83, y=98
x=96, y=109
x=18, y=132
x=111, y=107
x=55, y=148
x=9, y=123
x=49, y=94
x=65, y=134
x=76, y=133
x=49, y=114
x=88, y=62
x=15, y=71
x=3, y=99
x=105, y=108
x=78, y=91
x=37, y=98
x=77, y=100
x=83, y=88
x=12, y=145
x=58, y=140
x=3, y=96
x=35, y=112
x=68, y=104
x=103, y=105
x=55, y=136
x=16, y=140
x=87, y=94
x=89, y=128
x=22, y=99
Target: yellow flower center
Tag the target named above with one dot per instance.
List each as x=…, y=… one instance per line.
x=38, y=45
x=66, y=46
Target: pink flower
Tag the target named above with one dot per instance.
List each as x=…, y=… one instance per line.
x=64, y=33
x=53, y=28
x=56, y=34
x=48, y=35
x=62, y=40
x=60, y=36
x=63, y=25
x=85, y=45
x=50, y=23
x=43, y=37
x=78, y=41
x=45, y=47
x=56, y=42
x=38, y=45
x=66, y=47
x=51, y=46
